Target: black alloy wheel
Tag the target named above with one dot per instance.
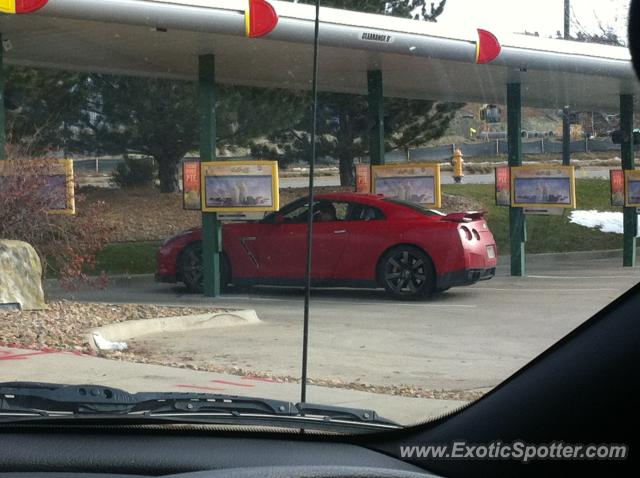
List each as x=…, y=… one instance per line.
x=190, y=265
x=407, y=273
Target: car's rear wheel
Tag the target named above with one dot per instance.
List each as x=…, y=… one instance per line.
x=406, y=272
x=190, y=265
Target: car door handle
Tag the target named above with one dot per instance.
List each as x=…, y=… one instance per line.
x=340, y=231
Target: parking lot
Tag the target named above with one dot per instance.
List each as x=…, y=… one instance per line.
x=468, y=338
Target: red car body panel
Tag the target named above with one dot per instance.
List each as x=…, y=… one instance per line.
x=347, y=251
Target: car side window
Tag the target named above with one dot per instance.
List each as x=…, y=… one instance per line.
x=329, y=211
x=363, y=212
x=342, y=209
x=297, y=214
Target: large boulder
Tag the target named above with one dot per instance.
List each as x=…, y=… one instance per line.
x=20, y=275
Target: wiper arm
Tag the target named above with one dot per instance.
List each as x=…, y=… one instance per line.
x=46, y=399
x=51, y=399
x=342, y=413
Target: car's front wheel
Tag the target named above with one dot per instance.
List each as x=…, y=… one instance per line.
x=406, y=272
x=190, y=266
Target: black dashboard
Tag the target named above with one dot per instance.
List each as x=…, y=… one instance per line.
x=113, y=455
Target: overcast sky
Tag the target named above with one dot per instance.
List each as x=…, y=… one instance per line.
x=543, y=16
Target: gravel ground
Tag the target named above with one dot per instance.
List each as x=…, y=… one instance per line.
x=64, y=324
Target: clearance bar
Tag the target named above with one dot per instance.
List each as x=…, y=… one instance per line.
x=260, y=16
x=350, y=30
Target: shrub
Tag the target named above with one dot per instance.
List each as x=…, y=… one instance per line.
x=67, y=245
x=134, y=172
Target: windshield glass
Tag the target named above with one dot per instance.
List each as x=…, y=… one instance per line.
x=155, y=210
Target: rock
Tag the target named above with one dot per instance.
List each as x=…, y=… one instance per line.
x=20, y=275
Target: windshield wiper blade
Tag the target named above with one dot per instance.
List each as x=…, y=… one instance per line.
x=48, y=399
x=19, y=399
x=342, y=413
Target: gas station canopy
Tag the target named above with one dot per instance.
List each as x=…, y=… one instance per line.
x=163, y=38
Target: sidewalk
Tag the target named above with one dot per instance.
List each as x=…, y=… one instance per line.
x=73, y=368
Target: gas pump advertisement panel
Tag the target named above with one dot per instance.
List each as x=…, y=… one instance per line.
x=616, y=177
x=543, y=186
x=234, y=186
x=363, y=178
x=191, y=199
x=632, y=188
x=503, y=186
x=416, y=183
x=50, y=181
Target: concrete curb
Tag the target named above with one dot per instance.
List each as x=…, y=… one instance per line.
x=551, y=257
x=120, y=279
x=121, y=331
x=124, y=279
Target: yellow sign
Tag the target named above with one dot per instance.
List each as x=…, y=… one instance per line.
x=240, y=186
x=543, y=186
x=52, y=180
x=416, y=183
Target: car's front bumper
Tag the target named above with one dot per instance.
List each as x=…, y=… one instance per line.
x=464, y=277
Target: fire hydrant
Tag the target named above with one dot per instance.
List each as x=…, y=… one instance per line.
x=457, y=162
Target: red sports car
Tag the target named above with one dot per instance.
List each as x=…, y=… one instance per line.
x=360, y=240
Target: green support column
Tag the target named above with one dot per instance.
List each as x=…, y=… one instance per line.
x=630, y=220
x=517, y=220
x=3, y=137
x=376, y=117
x=211, y=227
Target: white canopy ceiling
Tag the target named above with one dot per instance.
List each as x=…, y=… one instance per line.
x=418, y=60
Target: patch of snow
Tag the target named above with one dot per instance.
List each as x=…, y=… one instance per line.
x=605, y=221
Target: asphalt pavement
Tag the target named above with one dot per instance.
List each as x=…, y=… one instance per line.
x=468, y=338
x=71, y=368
